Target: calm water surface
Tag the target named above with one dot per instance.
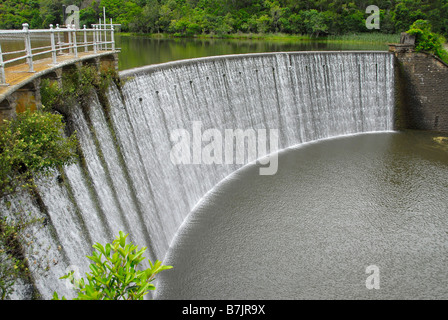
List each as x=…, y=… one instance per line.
x=141, y=51
x=334, y=208
x=137, y=51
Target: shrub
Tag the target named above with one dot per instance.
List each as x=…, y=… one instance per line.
x=50, y=93
x=76, y=86
x=114, y=273
x=428, y=41
x=30, y=146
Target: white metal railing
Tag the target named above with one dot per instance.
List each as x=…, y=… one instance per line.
x=62, y=40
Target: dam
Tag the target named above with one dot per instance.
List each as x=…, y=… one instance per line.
x=127, y=182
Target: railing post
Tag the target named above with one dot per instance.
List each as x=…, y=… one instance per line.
x=85, y=39
x=53, y=46
x=69, y=39
x=105, y=28
x=29, y=53
x=112, y=34
x=59, y=38
x=99, y=33
x=94, y=39
x=2, y=69
x=75, y=45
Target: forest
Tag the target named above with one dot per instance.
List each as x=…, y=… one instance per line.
x=224, y=17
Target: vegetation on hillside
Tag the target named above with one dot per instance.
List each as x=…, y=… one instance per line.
x=221, y=17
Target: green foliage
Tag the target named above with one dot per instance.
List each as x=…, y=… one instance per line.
x=195, y=17
x=50, y=93
x=407, y=12
x=76, y=86
x=315, y=23
x=15, y=12
x=30, y=146
x=428, y=41
x=88, y=16
x=263, y=23
x=11, y=266
x=115, y=274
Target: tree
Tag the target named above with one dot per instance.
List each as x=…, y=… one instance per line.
x=263, y=23
x=353, y=20
x=166, y=15
x=150, y=17
x=387, y=24
x=225, y=25
x=51, y=12
x=406, y=12
x=297, y=23
x=315, y=23
x=88, y=16
x=438, y=15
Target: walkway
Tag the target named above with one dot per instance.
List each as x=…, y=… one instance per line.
x=19, y=75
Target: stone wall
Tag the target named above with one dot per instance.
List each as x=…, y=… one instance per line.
x=421, y=92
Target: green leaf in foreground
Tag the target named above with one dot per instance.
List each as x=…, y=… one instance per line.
x=115, y=274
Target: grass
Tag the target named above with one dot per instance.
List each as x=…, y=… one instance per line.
x=370, y=37
x=365, y=37
x=258, y=36
x=242, y=36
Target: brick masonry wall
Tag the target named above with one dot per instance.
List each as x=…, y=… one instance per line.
x=421, y=92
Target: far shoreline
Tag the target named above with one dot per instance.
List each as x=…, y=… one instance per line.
x=347, y=38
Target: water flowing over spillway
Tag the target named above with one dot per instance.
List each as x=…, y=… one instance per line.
x=127, y=181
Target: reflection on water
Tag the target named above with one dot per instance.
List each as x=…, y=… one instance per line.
x=141, y=51
x=17, y=43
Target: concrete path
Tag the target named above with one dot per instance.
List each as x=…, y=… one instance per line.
x=18, y=74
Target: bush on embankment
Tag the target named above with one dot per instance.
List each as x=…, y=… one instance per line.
x=32, y=144
x=428, y=41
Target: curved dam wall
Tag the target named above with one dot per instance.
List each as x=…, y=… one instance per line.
x=127, y=180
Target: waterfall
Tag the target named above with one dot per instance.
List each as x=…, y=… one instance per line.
x=126, y=180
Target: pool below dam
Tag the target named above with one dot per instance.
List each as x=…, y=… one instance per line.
x=355, y=217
